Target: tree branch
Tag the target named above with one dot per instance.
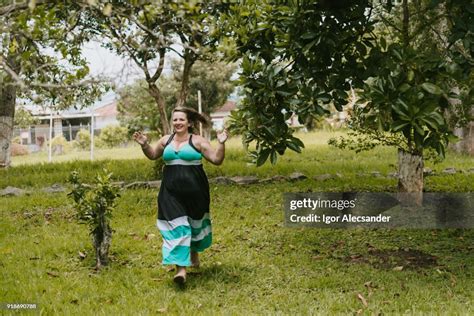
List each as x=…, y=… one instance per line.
x=12, y=8
x=161, y=66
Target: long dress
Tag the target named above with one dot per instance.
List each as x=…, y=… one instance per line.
x=183, y=204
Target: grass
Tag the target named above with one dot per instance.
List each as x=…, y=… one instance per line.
x=256, y=265
x=129, y=164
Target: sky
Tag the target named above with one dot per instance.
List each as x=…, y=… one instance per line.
x=104, y=62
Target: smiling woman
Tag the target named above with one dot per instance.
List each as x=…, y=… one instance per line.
x=183, y=201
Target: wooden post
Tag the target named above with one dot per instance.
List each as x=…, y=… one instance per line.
x=200, y=111
x=92, y=134
x=50, y=136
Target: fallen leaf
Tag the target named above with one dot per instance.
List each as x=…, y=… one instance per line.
x=82, y=255
x=398, y=268
x=162, y=310
x=362, y=299
x=53, y=274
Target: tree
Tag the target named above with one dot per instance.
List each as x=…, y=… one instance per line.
x=138, y=110
x=298, y=57
x=40, y=60
x=422, y=70
x=302, y=55
x=147, y=32
x=23, y=118
x=212, y=78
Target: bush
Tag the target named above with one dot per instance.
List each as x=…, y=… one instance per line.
x=19, y=150
x=16, y=140
x=60, y=145
x=83, y=140
x=113, y=135
x=94, y=205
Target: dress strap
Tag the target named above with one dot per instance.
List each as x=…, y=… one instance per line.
x=191, y=143
x=170, y=139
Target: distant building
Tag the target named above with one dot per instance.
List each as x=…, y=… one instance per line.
x=69, y=122
x=219, y=116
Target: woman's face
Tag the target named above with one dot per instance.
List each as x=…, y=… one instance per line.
x=180, y=122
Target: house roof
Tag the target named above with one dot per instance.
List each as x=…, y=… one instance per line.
x=107, y=110
x=227, y=107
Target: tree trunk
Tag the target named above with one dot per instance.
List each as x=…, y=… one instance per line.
x=410, y=176
x=7, y=113
x=466, y=135
x=102, y=240
x=183, y=94
x=156, y=94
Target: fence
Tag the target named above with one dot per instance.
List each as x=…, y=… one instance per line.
x=37, y=136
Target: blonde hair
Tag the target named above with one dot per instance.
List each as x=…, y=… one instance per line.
x=193, y=116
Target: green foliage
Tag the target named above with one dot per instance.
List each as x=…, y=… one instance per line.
x=52, y=75
x=94, y=205
x=83, y=140
x=113, y=135
x=297, y=58
x=93, y=202
x=60, y=145
x=24, y=119
x=137, y=109
x=300, y=58
x=418, y=84
x=211, y=77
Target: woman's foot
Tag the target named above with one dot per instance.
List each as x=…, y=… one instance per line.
x=180, y=277
x=195, y=259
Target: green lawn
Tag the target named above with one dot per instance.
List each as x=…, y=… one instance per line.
x=255, y=266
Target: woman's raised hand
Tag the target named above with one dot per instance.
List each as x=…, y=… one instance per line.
x=222, y=136
x=140, y=138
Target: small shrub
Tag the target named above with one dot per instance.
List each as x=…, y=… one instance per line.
x=83, y=140
x=16, y=140
x=60, y=145
x=94, y=204
x=19, y=150
x=113, y=135
x=99, y=143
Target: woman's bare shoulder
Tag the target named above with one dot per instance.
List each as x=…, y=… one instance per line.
x=164, y=139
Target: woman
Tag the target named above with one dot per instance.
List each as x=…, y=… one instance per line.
x=183, y=200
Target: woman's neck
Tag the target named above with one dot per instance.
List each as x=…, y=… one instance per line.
x=182, y=135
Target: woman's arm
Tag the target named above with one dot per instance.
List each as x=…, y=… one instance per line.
x=150, y=152
x=216, y=156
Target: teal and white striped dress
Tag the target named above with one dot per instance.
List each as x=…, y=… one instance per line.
x=183, y=204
